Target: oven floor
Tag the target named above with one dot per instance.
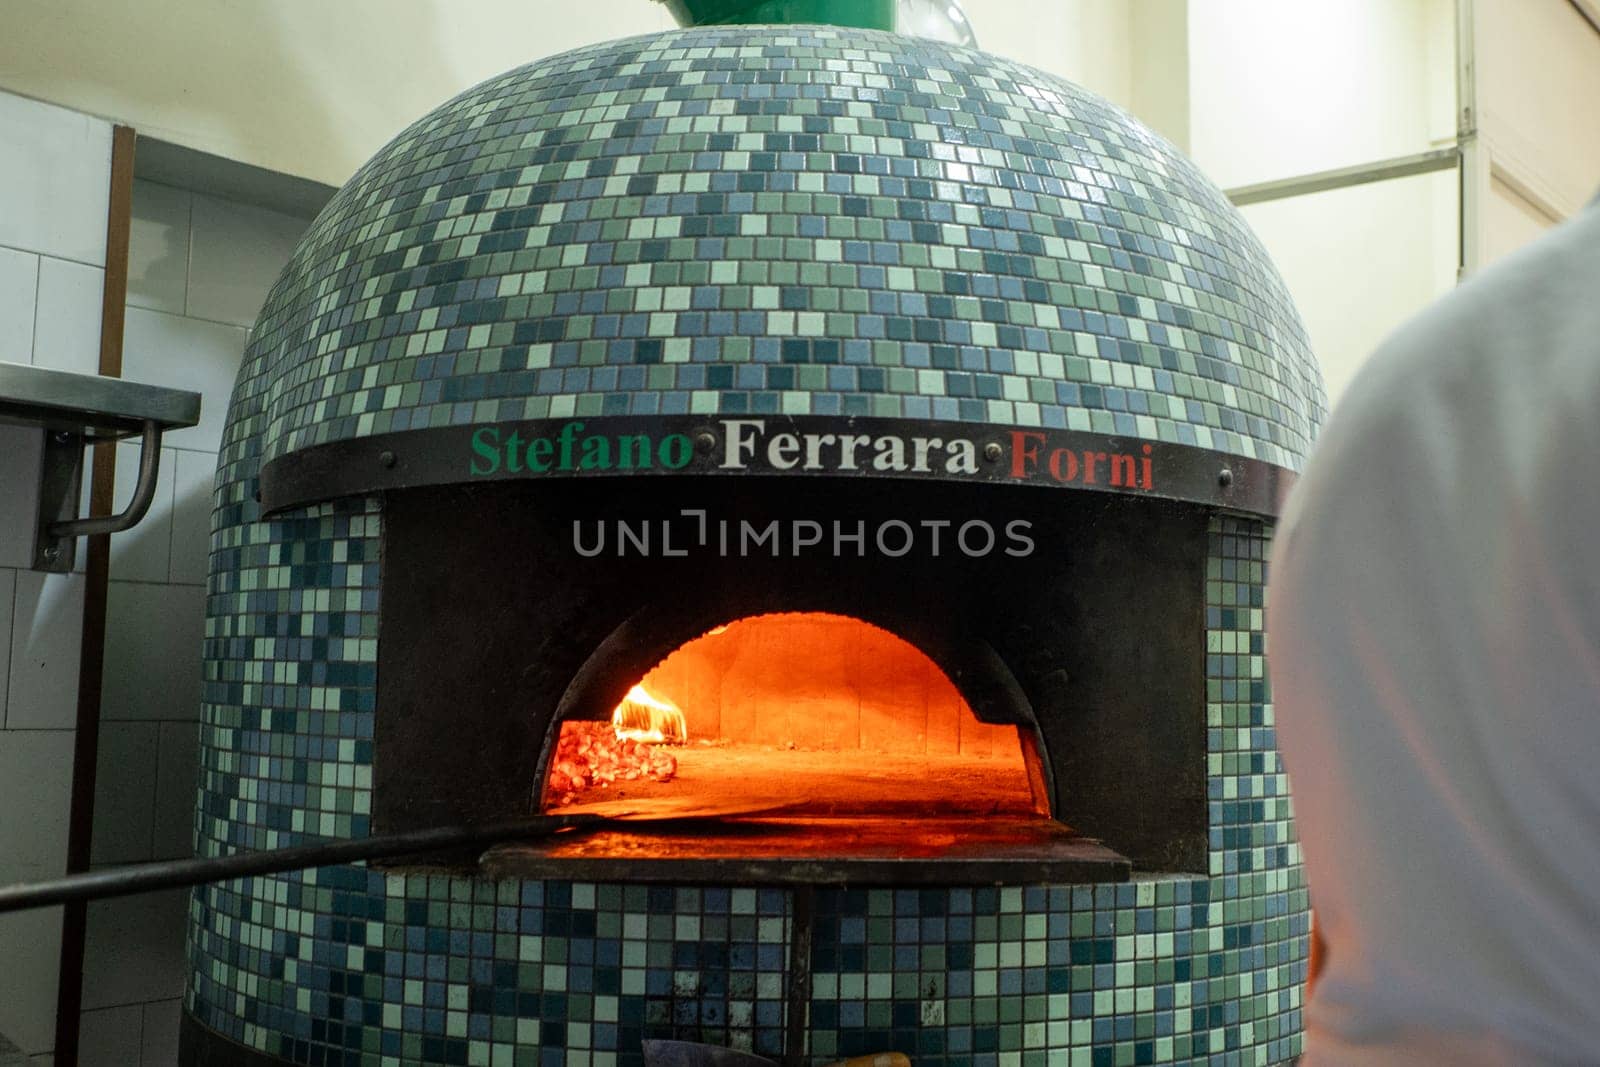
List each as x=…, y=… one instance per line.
x=766, y=815
x=762, y=815
x=782, y=847
x=820, y=783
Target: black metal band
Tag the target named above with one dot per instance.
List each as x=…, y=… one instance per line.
x=810, y=445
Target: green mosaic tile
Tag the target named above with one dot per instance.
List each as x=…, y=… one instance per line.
x=347, y=965
x=598, y=231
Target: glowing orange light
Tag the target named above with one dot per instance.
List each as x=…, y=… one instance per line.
x=643, y=716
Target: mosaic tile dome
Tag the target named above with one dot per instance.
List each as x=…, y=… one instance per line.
x=719, y=221
x=798, y=220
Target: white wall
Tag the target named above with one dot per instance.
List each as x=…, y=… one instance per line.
x=1279, y=89
x=303, y=87
x=199, y=269
x=1538, y=118
x=313, y=89
x=1085, y=41
x=1282, y=89
x=54, y=179
x=1512, y=218
x=1360, y=261
x=1159, y=46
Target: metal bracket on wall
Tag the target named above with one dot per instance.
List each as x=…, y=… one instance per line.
x=75, y=410
x=59, y=481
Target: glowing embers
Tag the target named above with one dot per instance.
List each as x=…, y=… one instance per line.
x=596, y=755
x=803, y=714
x=630, y=748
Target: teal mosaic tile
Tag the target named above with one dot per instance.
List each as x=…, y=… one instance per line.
x=351, y=966
x=799, y=219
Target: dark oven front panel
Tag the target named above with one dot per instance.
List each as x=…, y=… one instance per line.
x=508, y=609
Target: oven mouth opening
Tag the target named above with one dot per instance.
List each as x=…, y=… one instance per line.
x=799, y=746
x=494, y=634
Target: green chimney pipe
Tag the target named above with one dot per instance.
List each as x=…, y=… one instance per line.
x=864, y=14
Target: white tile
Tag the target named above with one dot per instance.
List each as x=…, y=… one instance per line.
x=193, y=473
x=46, y=631
x=111, y=1037
x=153, y=638
x=160, y=1047
x=125, y=792
x=133, y=951
x=177, y=775
x=19, y=282
x=158, y=247
x=236, y=253
x=8, y=596
x=182, y=353
x=144, y=553
x=66, y=322
x=55, y=180
x=30, y=946
x=21, y=452
x=35, y=791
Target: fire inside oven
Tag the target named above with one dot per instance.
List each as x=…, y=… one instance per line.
x=805, y=738
x=823, y=730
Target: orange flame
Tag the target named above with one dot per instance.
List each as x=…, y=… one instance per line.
x=643, y=716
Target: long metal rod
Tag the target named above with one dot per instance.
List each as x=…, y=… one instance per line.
x=175, y=874
x=1434, y=159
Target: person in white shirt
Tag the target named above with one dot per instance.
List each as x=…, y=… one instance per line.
x=1434, y=641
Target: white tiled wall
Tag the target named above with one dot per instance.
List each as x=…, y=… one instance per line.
x=54, y=173
x=161, y=348
x=225, y=285
x=19, y=291
x=47, y=627
x=199, y=270
x=158, y=249
x=66, y=318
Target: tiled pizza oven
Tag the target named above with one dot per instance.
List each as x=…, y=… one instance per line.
x=837, y=469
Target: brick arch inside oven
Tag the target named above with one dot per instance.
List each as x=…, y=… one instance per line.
x=646, y=639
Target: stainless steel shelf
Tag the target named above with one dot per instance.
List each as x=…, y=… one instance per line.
x=90, y=406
